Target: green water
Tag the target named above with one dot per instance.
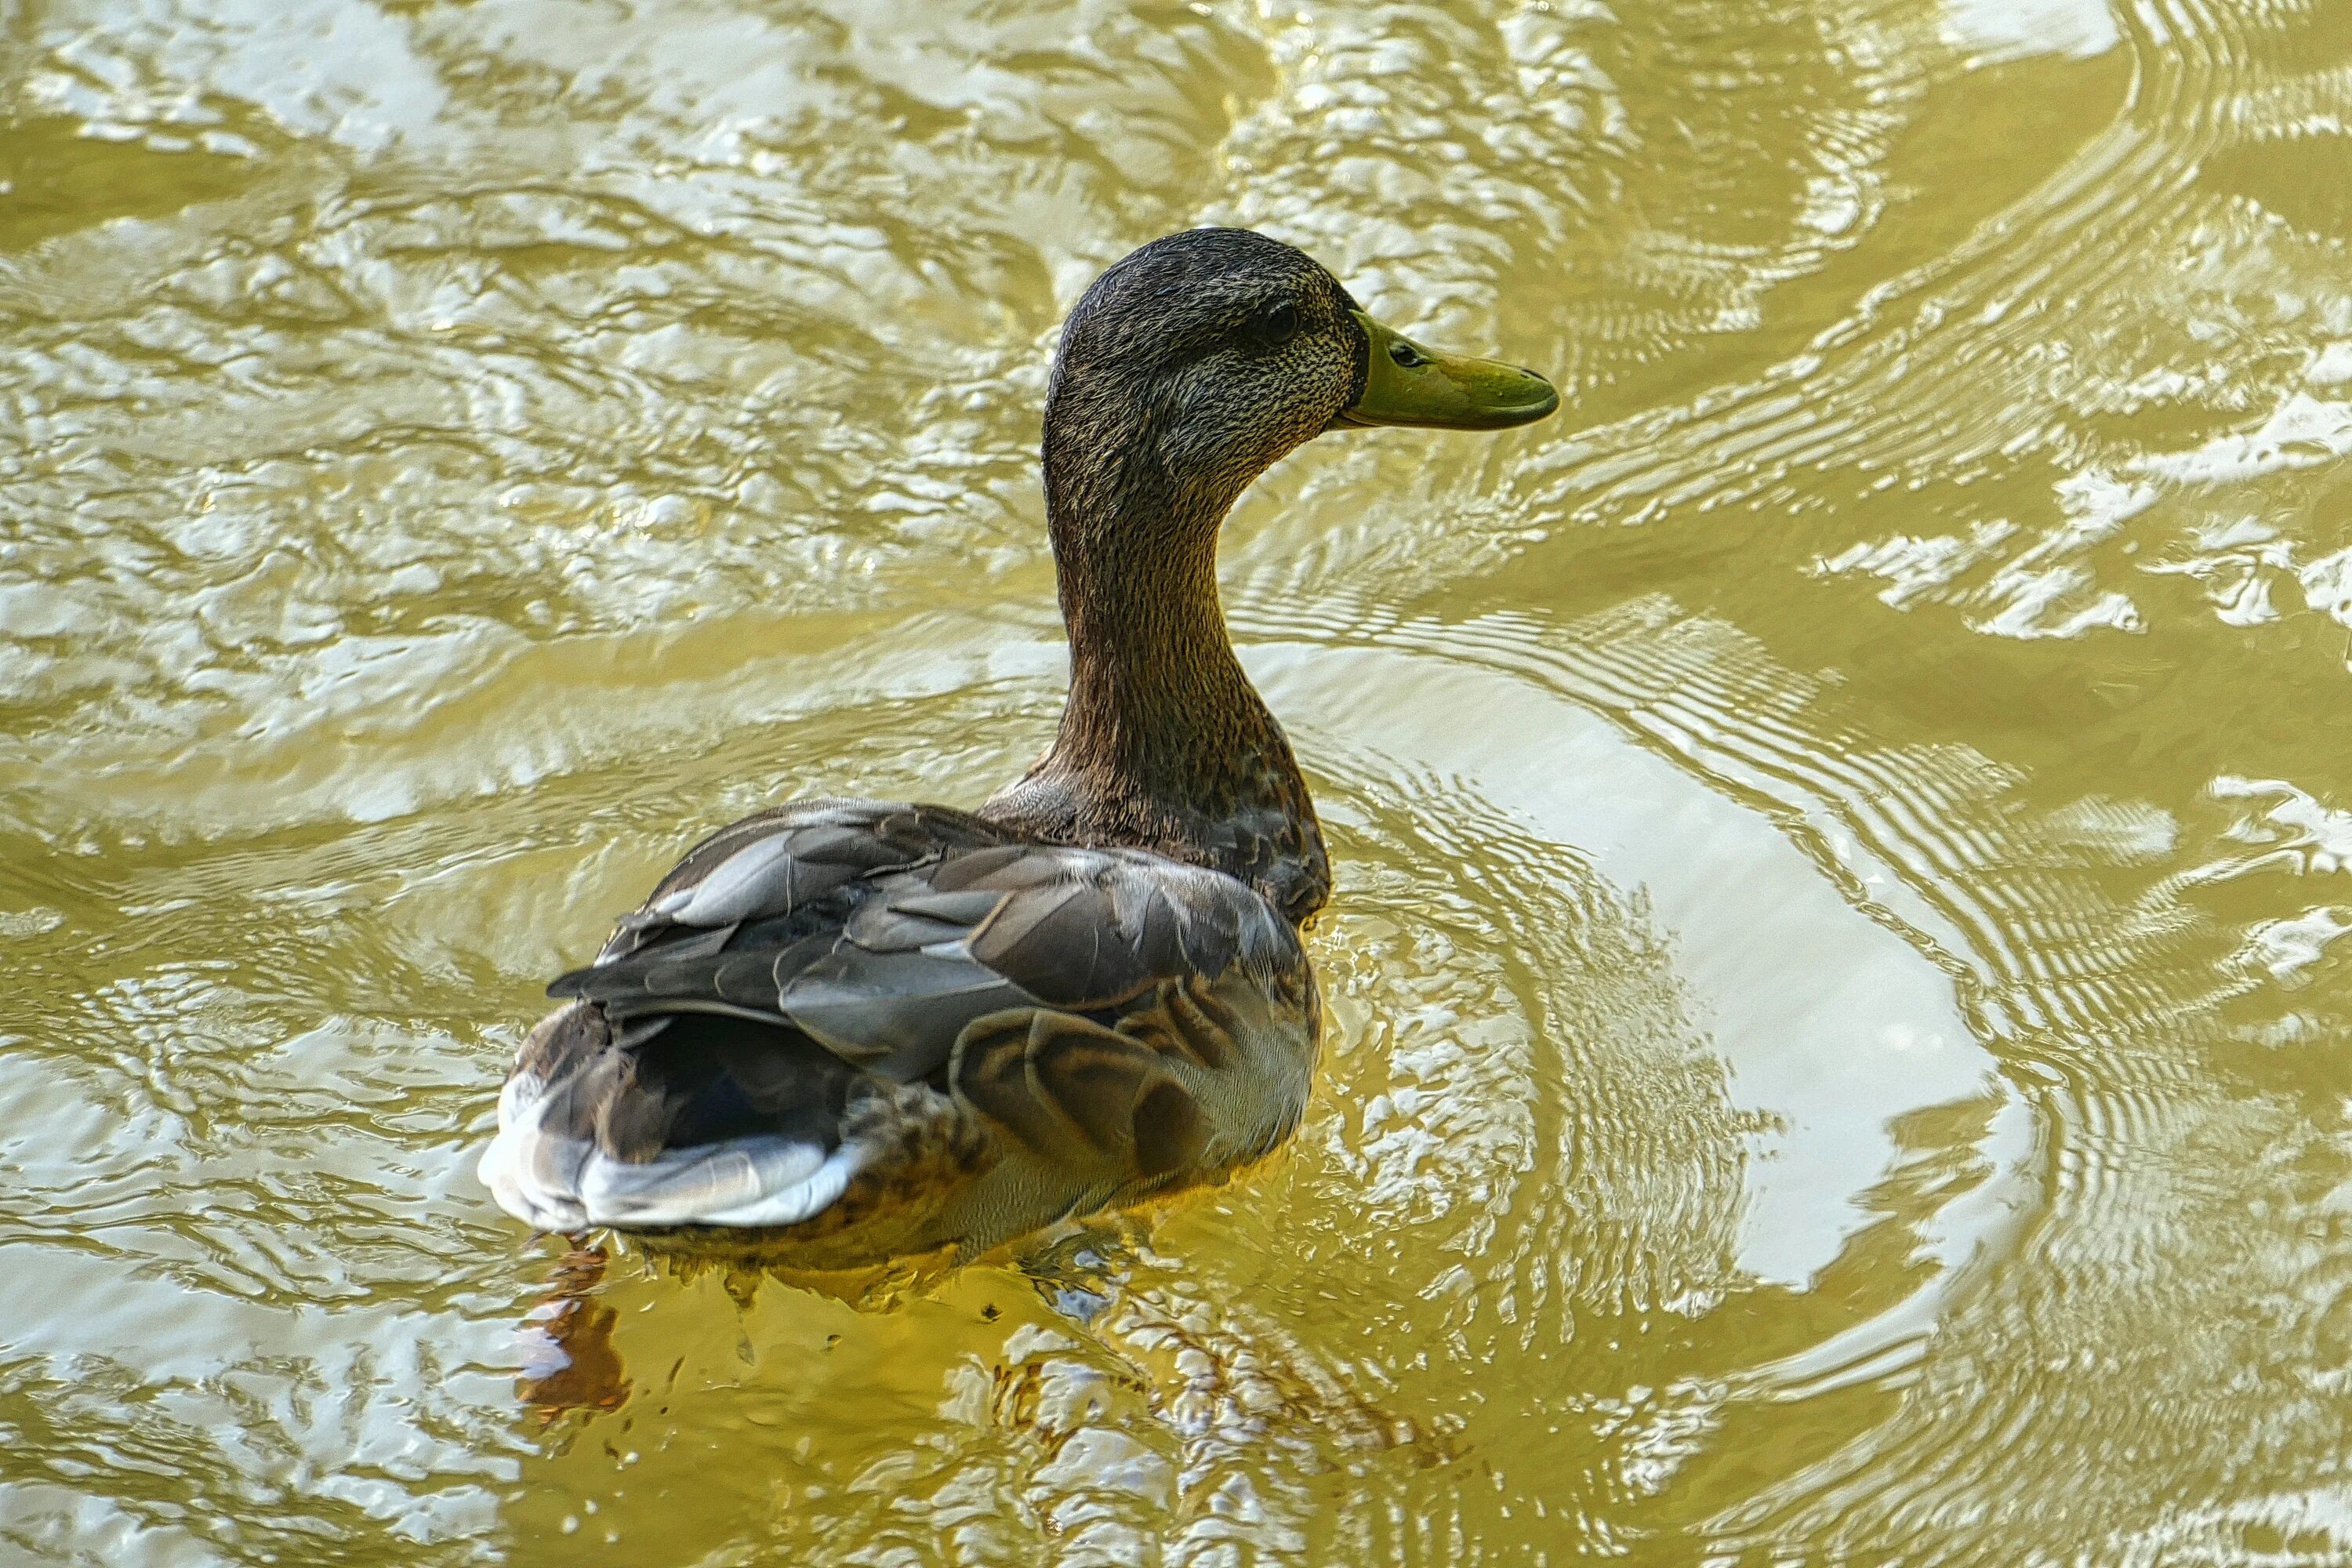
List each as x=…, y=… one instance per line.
x=1840, y=1021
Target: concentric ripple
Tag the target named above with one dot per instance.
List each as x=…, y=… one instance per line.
x=1839, y=983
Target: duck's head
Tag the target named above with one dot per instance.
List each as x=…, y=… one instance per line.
x=1197, y=362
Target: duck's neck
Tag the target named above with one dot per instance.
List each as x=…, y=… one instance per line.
x=1164, y=743
x=1160, y=708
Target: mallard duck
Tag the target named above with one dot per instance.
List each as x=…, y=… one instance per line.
x=844, y=1030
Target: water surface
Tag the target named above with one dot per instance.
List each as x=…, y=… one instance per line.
x=1840, y=1016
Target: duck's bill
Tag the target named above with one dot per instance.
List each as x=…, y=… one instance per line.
x=1405, y=383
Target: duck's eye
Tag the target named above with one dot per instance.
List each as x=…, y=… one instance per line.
x=1275, y=323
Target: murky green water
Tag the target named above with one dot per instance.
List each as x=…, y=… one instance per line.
x=1841, y=1011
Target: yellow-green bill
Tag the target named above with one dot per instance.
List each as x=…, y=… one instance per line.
x=1405, y=383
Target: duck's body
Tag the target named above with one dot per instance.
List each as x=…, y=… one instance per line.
x=844, y=1030
x=893, y=1027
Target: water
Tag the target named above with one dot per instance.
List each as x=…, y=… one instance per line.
x=1840, y=1005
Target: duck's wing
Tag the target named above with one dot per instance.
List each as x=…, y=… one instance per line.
x=826, y=988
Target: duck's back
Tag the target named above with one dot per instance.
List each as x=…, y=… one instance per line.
x=845, y=1029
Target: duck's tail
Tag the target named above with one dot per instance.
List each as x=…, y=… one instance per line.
x=720, y=1121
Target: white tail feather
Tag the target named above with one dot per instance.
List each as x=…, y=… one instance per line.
x=553, y=1182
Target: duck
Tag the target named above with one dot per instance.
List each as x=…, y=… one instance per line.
x=846, y=1031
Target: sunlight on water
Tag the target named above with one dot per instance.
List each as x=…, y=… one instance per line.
x=1839, y=983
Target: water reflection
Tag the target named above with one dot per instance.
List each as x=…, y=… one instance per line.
x=1840, y=969
x=569, y=1362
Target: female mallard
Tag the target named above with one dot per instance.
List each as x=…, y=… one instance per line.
x=845, y=1029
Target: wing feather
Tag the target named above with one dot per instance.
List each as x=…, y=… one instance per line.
x=832, y=944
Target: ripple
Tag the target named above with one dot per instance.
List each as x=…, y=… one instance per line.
x=1839, y=973
x=1566, y=1132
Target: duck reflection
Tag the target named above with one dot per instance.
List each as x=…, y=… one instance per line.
x=569, y=1359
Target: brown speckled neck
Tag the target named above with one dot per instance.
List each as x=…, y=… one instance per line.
x=1164, y=743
